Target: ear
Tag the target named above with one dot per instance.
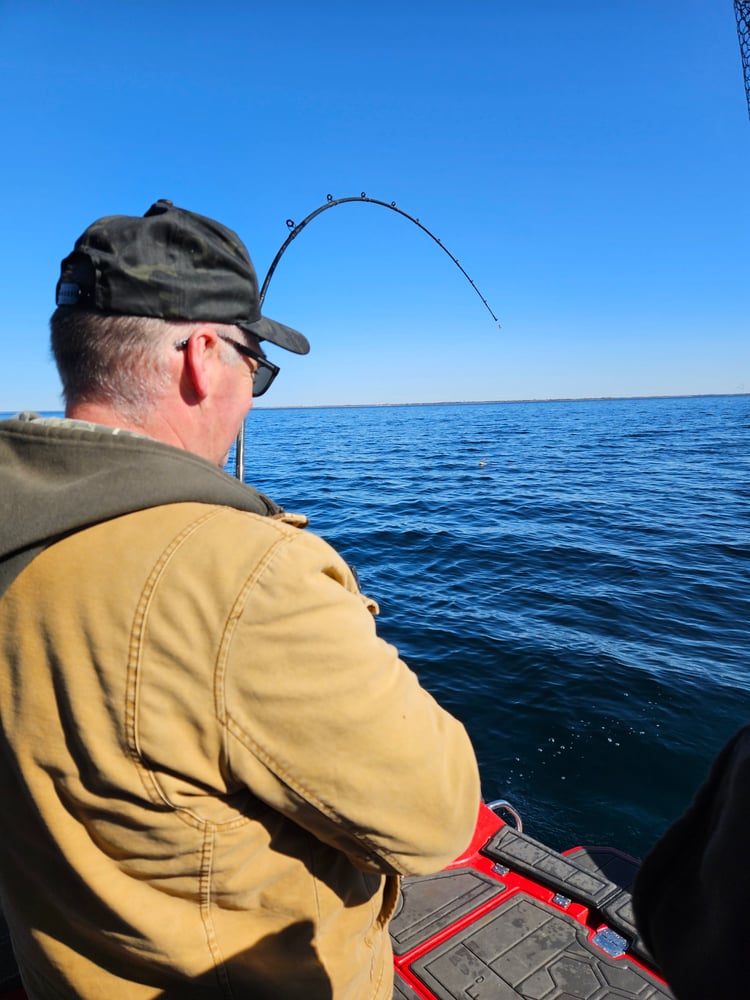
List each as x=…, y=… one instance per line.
x=200, y=354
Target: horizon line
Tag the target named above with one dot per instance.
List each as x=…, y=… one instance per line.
x=450, y=402
x=503, y=402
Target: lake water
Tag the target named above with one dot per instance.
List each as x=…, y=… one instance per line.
x=570, y=578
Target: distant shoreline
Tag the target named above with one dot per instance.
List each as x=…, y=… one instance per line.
x=4, y=414
x=502, y=402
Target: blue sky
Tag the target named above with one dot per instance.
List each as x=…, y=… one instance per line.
x=586, y=162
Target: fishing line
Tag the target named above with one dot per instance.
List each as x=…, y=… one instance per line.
x=295, y=230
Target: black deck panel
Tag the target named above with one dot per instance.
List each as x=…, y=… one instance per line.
x=529, y=857
x=582, y=876
x=526, y=950
x=611, y=864
x=402, y=990
x=430, y=903
x=621, y=870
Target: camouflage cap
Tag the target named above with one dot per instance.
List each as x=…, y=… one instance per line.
x=172, y=264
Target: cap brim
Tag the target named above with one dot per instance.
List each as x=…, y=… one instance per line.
x=277, y=333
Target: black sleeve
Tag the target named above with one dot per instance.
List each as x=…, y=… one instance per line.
x=692, y=894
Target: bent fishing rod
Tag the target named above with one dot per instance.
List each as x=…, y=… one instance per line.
x=294, y=231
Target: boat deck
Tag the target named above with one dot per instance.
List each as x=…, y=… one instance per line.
x=513, y=919
x=509, y=920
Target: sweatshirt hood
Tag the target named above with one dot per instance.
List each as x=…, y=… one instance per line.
x=58, y=476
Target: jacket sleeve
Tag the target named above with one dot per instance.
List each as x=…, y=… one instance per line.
x=691, y=894
x=328, y=726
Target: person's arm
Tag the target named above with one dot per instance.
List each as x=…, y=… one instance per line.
x=327, y=725
x=691, y=893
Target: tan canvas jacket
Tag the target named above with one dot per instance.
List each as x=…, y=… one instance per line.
x=211, y=763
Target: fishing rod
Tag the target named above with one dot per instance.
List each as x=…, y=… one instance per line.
x=295, y=230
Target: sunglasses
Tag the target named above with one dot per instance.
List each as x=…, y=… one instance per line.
x=263, y=375
x=266, y=371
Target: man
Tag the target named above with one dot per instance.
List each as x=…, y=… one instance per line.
x=212, y=768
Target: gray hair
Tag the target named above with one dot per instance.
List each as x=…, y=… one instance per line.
x=122, y=361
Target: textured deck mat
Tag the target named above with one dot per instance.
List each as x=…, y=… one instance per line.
x=524, y=949
x=403, y=991
x=582, y=877
x=430, y=903
x=615, y=867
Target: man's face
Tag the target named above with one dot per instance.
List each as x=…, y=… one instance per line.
x=236, y=389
